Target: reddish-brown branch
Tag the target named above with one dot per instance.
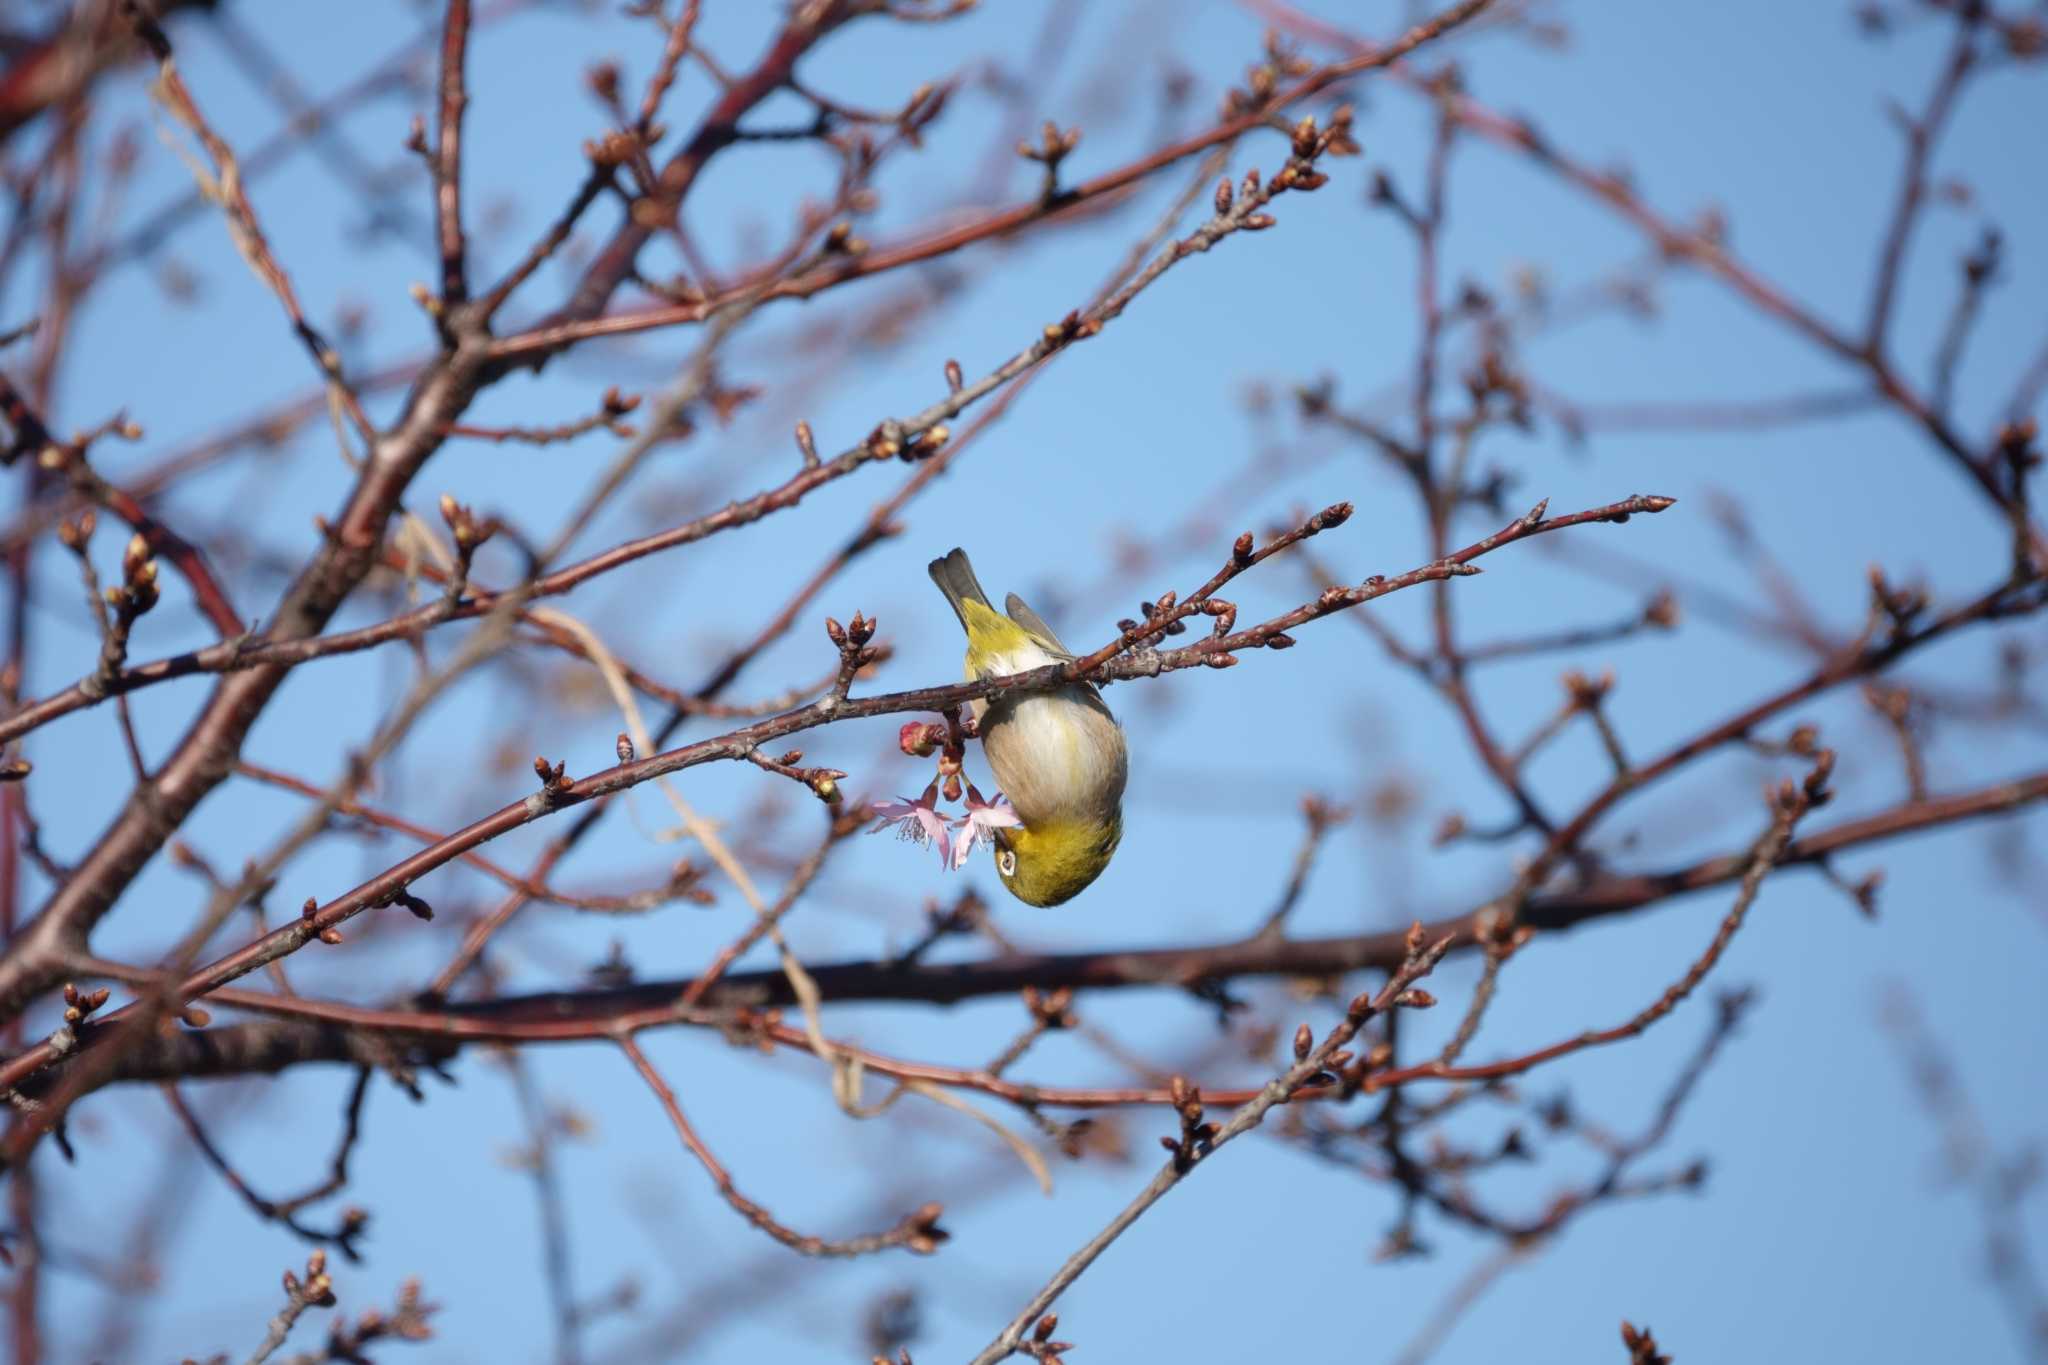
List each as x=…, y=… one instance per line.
x=1320, y=818
x=54, y=70
x=407, y=1030
x=1862, y=659
x=613, y=263
x=1660, y=614
x=315, y=122
x=313, y=1031
x=262, y=433
x=918, y=1231
x=448, y=156
x=206, y=753
x=673, y=51
x=244, y=226
x=892, y=438
x=1761, y=860
x=766, y=922
x=277, y=653
x=1212, y=651
x=607, y=417
x=1716, y=260
x=1921, y=136
x=544, y=339
x=1202, y=1141
x=32, y=437
x=24, y=1295
x=317, y=125
x=285, y=1212
x=880, y=524
x=630, y=903
x=1706, y=253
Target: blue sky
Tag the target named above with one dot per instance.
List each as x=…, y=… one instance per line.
x=1825, y=1230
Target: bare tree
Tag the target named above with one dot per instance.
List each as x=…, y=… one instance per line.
x=397, y=901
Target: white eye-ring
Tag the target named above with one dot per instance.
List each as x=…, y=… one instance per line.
x=1006, y=862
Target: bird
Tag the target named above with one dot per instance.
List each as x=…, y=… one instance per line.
x=1059, y=755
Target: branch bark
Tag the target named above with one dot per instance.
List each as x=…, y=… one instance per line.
x=275, y=1044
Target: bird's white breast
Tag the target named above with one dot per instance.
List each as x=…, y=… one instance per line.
x=1058, y=755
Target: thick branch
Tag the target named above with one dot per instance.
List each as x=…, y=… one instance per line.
x=275, y=1044
x=1112, y=663
x=207, y=753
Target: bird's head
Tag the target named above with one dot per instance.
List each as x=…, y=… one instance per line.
x=1052, y=862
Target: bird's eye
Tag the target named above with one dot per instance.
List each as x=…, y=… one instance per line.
x=1006, y=862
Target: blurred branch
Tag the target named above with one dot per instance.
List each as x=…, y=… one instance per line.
x=549, y=336
x=272, y=1045
x=1218, y=650
x=1705, y=248
x=285, y=1212
x=1201, y=1140
x=2001, y=1184
x=58, y=68
x=1440, y=1124
x=918, y=1231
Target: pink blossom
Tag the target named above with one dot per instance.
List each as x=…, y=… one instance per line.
x=979, y=825
x=918, y=821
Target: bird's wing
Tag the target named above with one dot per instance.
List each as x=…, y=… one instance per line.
x=1035, y=624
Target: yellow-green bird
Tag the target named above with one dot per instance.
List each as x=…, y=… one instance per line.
x=1059, y=755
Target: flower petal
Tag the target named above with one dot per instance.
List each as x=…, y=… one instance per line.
x=997, y=814
x=889, y=813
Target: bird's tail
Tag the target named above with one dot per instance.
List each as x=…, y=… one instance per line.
x=955, y=577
